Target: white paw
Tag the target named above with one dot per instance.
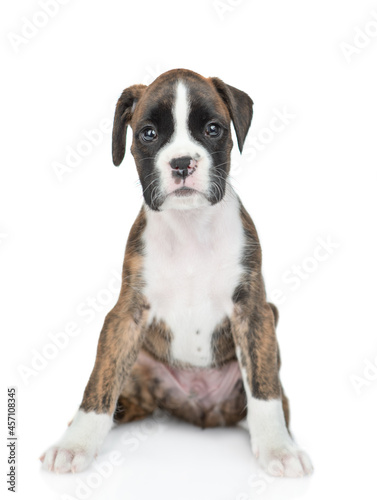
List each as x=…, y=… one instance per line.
x=79, y=445
x=285, y=460
x=63, y=459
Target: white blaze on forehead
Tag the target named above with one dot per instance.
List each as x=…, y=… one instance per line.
x=181, y=112
x=182, y=143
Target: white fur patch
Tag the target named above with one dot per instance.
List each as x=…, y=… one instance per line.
x=183, y=144
x=192, y=267
x=79, y=444
x=271, y=443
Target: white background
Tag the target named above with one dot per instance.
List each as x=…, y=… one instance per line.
x=61, y=242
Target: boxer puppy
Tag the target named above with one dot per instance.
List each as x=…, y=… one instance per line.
x=192, y=332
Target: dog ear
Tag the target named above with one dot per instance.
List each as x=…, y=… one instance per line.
x=240, y=107
x=123, y=114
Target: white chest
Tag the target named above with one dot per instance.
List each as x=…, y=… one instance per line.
x=191, y=268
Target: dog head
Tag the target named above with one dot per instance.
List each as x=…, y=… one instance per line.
x=181, y=136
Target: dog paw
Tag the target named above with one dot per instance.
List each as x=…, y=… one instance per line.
x=79, y=444
x=64, y=459
x=286, y=460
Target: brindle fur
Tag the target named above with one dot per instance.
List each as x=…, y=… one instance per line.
x=157, y=341
x=121, y=335
x=131, y=391
x=253, y=324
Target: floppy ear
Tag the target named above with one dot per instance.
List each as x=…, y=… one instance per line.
x=123, y=114
x=240, y=107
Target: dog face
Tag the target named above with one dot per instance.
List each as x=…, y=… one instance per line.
x=181, y=137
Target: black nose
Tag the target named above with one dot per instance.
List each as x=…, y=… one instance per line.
x=181, y=166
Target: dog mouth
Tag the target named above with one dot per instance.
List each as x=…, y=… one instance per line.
x=183, y=192
x=184, y=197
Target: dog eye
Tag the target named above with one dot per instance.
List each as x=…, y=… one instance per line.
x=149, y=134
x=212, y=130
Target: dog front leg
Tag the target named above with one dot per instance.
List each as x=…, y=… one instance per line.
x=118, y=346
x=257, y=353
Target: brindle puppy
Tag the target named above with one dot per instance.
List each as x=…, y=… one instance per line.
x=192, y=331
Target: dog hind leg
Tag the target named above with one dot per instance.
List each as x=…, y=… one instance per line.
x=136, y=400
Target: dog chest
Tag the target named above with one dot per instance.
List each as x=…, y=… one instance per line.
x=191, y=268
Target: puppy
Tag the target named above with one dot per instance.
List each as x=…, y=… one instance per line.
x=192, y=332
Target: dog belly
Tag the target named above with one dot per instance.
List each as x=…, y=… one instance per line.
x=204, y=387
